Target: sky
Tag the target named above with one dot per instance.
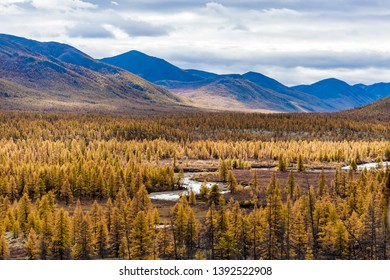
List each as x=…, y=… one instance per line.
x=293, y=41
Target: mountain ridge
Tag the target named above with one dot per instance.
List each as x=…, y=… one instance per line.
x=54, y=73
x=249, y=91
x=56, y=76
x=328, y=95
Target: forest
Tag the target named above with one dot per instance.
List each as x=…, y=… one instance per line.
x=76, y=186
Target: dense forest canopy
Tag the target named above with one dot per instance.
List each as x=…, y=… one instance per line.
x=76, y=186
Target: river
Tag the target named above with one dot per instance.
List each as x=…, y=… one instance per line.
x=370, y=165
x=187, y=184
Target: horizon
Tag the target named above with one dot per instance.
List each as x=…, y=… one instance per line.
x=295, y=42
x=235, y=73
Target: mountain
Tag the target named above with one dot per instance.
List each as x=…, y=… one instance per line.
x=338, y=94
x=379, y=90
x=150, y=68
x=54, y=76
x=378, y=111
x=250, y=91
x=201, y=74
x=235, y=92
x=267, y=82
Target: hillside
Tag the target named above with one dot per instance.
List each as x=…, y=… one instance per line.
x=338, y=94
x=54, y=76
x=235, y=93
x=378, y=111
x=251, y=91
x=150, y=68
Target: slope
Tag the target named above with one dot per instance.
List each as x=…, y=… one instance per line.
x=54, y=76
x=251, y=91
x=150, y=68
x=337, y=94
x=378, y=111
x=236, y=93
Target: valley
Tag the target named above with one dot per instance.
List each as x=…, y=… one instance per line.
x=101, y=176
x=98, y=159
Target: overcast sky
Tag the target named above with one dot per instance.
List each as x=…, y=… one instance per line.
x=293, y=41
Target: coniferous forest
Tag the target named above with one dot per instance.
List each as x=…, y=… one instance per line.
x=77, y=186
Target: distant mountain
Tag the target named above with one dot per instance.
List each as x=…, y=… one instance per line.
x=379, y=90
x=235, y=92
x=338, y=94
x=201, y=74
x=269, y=83
x=150, y=68
x=251, y=91
x=54, y=76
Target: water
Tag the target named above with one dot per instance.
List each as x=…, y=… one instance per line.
x=371, y=165
x=189, y=185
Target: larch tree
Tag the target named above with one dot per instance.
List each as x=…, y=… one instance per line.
x=101, y=238
x=214, y=195
x=24, y=209
x=192, y=233
x=274, y=219
x=322, y=185
x=299, y=229
x=140, y=238
x=300, y=164
x=210, y=228
x=83, y=248
x=231, y=182
x=66, y=192
x=4, y=251
x=116, y=231
x=46, y=217
x=141, y=202
x=32, y=245
x=62, y=235
x=192, y=198
x=282, y=166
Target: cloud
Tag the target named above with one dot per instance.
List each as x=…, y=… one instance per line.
x=8, y=7
x=106, y=26
x=88, y=30
x=62, y=4
x=282, y=38
x=140, y=28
